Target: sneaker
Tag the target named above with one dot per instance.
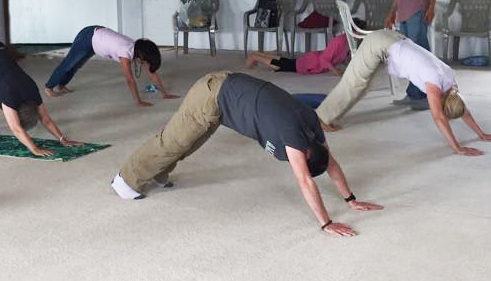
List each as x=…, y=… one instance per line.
x=123, y=190
x=405, y=101
x=421, y=104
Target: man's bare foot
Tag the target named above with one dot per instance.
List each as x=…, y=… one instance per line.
x=64, y=89
x=330, y=128
x=169, y=96
x=251, y=62
x=336, y=72
x=51, y=93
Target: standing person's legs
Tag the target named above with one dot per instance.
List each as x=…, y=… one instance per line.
x=416, y=29
x=80, y=51
x=196, y=120
x=356, y=78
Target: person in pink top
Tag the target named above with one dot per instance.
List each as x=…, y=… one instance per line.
x=315, y=62
x=109, y=44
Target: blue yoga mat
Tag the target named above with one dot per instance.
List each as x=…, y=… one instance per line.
x=312, y=100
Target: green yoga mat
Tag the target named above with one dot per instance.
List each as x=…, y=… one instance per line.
x=10, y=146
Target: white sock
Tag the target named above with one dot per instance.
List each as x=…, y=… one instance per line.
x=123, y=189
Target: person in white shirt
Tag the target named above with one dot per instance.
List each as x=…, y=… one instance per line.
x=109, y=44
x=405, y=60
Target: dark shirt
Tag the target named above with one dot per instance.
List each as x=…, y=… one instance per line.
x=16, y=87
x=268, y=114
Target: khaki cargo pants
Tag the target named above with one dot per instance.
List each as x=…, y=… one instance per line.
x=373, y=50
x=196, y=120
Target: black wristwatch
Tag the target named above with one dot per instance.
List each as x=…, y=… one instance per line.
x=350, y=198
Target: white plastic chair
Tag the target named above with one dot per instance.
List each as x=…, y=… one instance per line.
x=352, y=31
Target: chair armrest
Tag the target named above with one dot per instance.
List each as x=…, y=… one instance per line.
x=247, y=15
x=450, y=9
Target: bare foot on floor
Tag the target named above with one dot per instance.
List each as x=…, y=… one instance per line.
x=169, y=96
x=336, y=72
x=251, y=62
x=51, y=93
x=331, y=127
x=64, y=89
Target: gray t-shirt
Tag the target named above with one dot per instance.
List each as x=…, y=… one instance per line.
x=16, y=87
x=268, y=114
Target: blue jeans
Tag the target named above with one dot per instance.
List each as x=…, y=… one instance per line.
x=80, y=52
x=416, y=29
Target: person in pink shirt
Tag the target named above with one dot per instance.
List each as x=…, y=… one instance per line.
x=315, y=62
x=109, y=44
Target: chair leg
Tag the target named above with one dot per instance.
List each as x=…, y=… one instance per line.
x=293, y=43
x=213, y=50
x=186, y=37
x=176, y=42
x=326, y=38
x=445, y=46
x=246, y=35
x=456, y=44
x=279, y=42
x=308, y=41
x=260, y=39
x=288, y=43
x=489, y=45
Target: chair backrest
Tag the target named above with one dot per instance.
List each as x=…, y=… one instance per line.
x=475, y=14
x=285, y=6
x=324, y=7
x=350, y=29
x=376, y=12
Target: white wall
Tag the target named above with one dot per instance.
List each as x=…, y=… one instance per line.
x=58, y=21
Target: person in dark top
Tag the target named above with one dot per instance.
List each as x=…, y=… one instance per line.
x=23, y=106
x=283, y=126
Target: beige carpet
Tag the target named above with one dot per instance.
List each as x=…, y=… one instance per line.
x=236, y=213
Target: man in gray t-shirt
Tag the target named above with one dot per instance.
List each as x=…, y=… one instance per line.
x=283, y=126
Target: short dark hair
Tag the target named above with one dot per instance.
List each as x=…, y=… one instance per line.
x=360, y=23
x=147, y=51
x=28, y=115
x=318, y=159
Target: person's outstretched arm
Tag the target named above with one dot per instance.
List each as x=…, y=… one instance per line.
x=469, y=120
x=430, y=12
x=12, y=118
x=308, y=187
x=155, y=78
x=336, y=174
x=130, y=81
x=53, y=129
x=391, y=17
x=435, y=101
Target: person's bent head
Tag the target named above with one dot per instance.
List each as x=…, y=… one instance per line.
x=147, y=51
x=318, y=159
x=28, y=116
x=453, y=105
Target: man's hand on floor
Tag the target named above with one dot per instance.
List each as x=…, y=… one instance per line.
x=339, y=229
x=468, y=151
x=364, y=206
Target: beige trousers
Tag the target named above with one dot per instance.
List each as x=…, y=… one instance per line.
x=196, y=120
x=373, y=50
